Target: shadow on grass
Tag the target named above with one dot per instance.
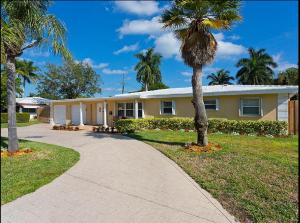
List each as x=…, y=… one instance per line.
x=138, y=137
x=4, y=142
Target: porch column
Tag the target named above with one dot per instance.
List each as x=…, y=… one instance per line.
x=51, y=114
x=104, y=114
x=80, y=114
x=20, y=109
x=136, y=109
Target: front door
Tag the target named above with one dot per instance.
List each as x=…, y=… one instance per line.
x=100, y=113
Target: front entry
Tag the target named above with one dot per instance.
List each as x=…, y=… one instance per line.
x=100, y=113
x=76, y=114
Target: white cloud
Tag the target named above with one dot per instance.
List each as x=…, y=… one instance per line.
x=127, y=48
x=234, y=37
x=138, y=7
x=90, y=62
x=34, y=52
x=140, y=26
x=109, y=71
x=228, y=49
x=112, y=89
x=168, y=45
x=186, y=73
x=282, y=64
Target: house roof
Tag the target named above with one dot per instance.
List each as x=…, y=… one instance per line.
x=214, y=90
x=33, y=101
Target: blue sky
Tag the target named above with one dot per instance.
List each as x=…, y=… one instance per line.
x=108, y=34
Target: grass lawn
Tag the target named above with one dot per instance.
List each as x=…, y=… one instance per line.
x=254, y=178
x=32, y=122
x=24, y=174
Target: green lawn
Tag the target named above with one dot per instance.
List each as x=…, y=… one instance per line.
x=254, y=178
x=24, y=174
x=32, y=122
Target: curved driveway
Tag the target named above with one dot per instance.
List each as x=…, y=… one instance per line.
x=117, y=179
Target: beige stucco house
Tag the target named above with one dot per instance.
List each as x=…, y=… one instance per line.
x=249, y=102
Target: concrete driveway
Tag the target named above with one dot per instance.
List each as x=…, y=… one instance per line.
x=117, y=179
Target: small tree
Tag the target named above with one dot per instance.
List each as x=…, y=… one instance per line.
x=221, y=77
x=148, y=71
x=288, y=77
x=193, y=22
x=72, y=80
x=25, y=24
x=257, y=69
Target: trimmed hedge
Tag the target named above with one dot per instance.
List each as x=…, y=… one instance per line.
x=21, y=117
x=275, y=128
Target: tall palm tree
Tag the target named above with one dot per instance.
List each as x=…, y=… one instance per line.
x=221, y=77
x=26, y=71
x=257, y=69
x=26, y=24
x=193, y=22
x=148, y=71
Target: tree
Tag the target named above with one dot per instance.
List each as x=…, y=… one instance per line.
x=26, y=24
x=148, y=71
x=221, y=77
x=19, y=90
x=288, y=77
x=156, y=86
x=26, y=71
x=72, y=80
x=257, y=69
x=193, y=22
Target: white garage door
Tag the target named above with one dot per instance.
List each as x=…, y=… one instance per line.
x=76, y=114
x=59, y=114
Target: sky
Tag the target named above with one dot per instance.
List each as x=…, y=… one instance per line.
x=107, y=35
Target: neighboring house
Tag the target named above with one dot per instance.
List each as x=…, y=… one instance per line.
x=31, y=104
x=250, y=102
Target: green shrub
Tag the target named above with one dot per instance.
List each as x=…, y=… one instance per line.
x=276, y=128
x=21, y=117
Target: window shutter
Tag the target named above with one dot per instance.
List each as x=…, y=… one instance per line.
x=240, y=108
x=173, y=107
x=217, y=104
x=261, y=107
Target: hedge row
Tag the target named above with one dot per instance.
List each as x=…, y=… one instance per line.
x=275, y=128
x=21, y=117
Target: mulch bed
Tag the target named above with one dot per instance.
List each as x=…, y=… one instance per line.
x=105, y=130
x=66, y=128
x=20, y=152
x=211, y=147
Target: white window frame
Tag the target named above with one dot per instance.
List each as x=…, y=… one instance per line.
x=241, y=110
x=217, y=104
x=162, y=107
x=125, y=109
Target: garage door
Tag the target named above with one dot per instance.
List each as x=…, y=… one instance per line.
x=76, y=114
x=59, y=114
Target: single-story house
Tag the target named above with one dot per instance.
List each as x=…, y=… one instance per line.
x=31, y=104
x=249, y=102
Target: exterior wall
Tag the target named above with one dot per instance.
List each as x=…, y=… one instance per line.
x=229, y=107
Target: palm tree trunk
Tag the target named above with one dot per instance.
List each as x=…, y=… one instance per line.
x=201, y=123
x=13, y=145
x=146, y=87
x=24, y=83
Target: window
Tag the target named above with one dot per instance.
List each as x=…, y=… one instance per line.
x=168, y=107
x=126, y=109
x=140, y=110
x=251, y=106
x=210, y=104
x=29, y=110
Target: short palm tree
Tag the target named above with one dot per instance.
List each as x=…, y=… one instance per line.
x=26, y=24
x=221, y=77
x=193, y=22
x=148, y=71
x=257, y=69
x=26, y=71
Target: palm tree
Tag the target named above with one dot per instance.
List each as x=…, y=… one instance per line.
x=26, y=24
x=26, y=71
x=193, y=22
x=257, y=69
x=221, y=77
x=148, y=71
